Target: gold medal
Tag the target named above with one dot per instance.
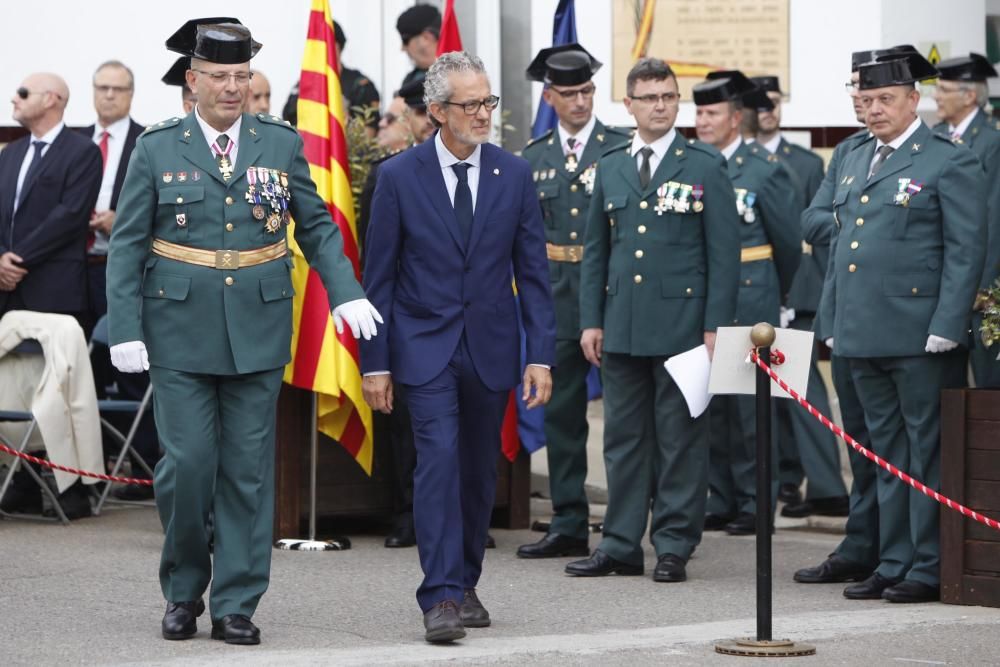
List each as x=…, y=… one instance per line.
x=570, y=163
x=258, y=212
x=698, y=207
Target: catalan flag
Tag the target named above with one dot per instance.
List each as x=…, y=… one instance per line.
x=323, y=361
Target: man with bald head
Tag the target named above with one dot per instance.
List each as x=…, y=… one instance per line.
x=49, y=181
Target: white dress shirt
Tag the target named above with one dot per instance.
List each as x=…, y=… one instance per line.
x=660, y=147
x=729, y=150
x=117, y=132
x=959, y=130
x=582, y=137
x=211, y=134
x=446, y=159
x=29, y=156
x=772, y=145
x=895, y=143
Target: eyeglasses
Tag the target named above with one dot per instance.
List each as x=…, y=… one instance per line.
x=24, y=93
x=117, y=90
x=472, y=108
x=668, y=99
x=220, y=78
x=567, y=95
x=851, y=87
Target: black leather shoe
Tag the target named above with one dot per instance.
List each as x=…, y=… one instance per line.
x=744, y=524
x=909, y=590
x=669, y=568
x=716, y=521
x=490, y=542
x=133, y=492
x=789, y=494
x=402, y=534
x=869, y=589
x=442, y=623
x=554, y=545
x=833, y=506
x=75, y=502
x=181, y=619
x=236, y=629
x=472, y=613
x=834, y=569
x=600, y=565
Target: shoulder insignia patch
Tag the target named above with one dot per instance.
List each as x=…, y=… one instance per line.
x=275, y=120
x=772, y=158
x=162, y=125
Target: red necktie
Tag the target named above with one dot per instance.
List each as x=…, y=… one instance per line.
x=103, y=145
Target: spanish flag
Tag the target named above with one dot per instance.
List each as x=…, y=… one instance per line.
x=323, y=361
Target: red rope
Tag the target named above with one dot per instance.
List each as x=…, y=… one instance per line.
x=919, y=486
x=74, y=471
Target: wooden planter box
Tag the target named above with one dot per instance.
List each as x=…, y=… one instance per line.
x=970, y=474
x=344, y=490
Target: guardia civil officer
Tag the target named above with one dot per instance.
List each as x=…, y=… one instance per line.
x=199, y=293
x=766, y=201
x=961, y=94
x=659, y=275
x=564, y=166
x=905, y=265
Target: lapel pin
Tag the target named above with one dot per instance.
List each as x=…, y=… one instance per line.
x=496, y=172
x=253, y=132
x=679, y=152
x=600, y=137
x=187, y=134
x=916, y=147
x=739, y=160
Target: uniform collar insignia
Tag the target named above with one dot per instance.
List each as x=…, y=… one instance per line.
x=916, y=147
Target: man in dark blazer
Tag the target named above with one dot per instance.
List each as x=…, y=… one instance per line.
x=48, y=186
x=452, y=219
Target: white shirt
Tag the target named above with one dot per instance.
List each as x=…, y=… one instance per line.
x=772, y=145
x=729, y=150
x=895, y=143
x=660, y=147
x=582, y=137
x=446, y=159
x=29, y=156
x=964, y=125
x=211, y=134
x=117, y=132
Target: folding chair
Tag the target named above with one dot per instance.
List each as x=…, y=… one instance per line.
x=27, y=347
x=123, y=407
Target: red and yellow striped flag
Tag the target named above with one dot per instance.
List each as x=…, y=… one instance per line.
x=322, y=360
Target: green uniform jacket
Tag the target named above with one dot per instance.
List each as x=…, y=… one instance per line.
x=771, y=220
x=655, y=283
x=983, y=137
x=188, y=316
x=565, y=198
x=806, y=169
x=901, y=272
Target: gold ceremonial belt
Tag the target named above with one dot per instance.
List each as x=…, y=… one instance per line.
x=756, y=253
x=564, y=253
x=228, y=260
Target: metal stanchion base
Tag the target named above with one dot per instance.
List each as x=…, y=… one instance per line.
x=333, y=544
x=775, y=648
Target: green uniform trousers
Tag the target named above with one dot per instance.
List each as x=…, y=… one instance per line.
x=566, y=441
x=860, y=543
x=902, y=402
x=217, y=433
x=656, y=457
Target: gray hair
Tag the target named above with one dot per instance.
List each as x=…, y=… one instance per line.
x=119, y=64
x=437, y=87
x=981, y=90
x=647, y=69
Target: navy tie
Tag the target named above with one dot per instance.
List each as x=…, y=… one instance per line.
x=33, y=167
x=463, y=201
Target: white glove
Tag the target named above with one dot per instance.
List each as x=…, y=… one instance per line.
x=787, y=315
x=829, y=342
x=360, y=316
x=937, y=344
x=130, y=357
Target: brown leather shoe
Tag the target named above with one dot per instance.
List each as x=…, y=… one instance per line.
x=472, y=613
x=442, y=623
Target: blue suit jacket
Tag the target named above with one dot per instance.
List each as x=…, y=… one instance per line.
x=429, y=289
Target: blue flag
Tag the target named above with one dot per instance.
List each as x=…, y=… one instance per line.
x=563, y=32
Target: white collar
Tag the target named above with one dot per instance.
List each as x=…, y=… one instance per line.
x=117, y=129
x=51, y=135
x=212, y=134
x=901, y=139
x=582, y=137
x=732, y=148
x=964, y=125
x=773, y=144
x=659, y=146
x=446, y=158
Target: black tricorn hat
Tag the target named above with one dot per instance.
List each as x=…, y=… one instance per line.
x=769, y=84
x=413, y=94
x=723, y=86
x=758, y=99
x=859, y=58
x=564, y=65
x=175, y=76
x=222, y=40
x=973, y=67
x=895, y=70
x=339, y=36
x=416, y=19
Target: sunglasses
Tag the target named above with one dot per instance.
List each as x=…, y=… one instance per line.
x=24, y=93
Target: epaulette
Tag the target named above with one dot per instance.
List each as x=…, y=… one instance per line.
x=539, y=139
x=162, y=125
x=945, y=139
x=275, y=120
x=621, y=130
x=708, y=149
x=763, y=154
x=616, y=147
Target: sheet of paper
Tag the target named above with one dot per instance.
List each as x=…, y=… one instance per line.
x=733, y=373
x=690, y=370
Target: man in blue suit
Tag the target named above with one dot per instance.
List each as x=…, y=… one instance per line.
x=453, y=220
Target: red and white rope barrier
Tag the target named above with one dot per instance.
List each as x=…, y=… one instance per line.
x=73, y=471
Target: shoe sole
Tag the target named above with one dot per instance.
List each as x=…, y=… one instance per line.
x=621, y=572
x=241, y=641
x=560, y=554
x=476, y=624
x=838, y=580
x=669, y=580
x=175, y=636
x=877, y=596
x=445, y=635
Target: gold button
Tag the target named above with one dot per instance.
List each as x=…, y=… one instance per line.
x=643, y=205
x=854, y=245
x=573, y=188
x=852, y=268
x=747, y=282
x=541, y=195
x=607, y=288
x=914, y=290
x=859, y=222
x=229, y=280
x=284, y=292
x=637, y=279
x=572, y=236
x=864, y=199
x=229, y=201
x=574, y=212
x=610, y=206
x=162, y=292
x=611, y=222
x=638, y=254
x=229, y=226
x=180, y=200
x=689, y=291
x=642, y=229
